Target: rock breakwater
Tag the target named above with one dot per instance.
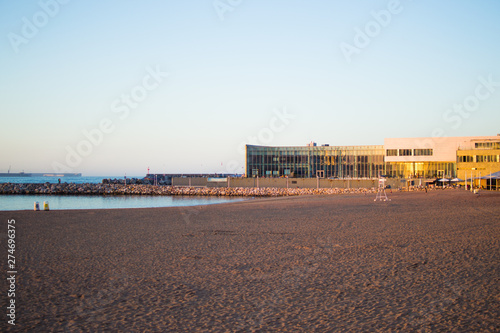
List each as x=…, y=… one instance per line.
x=117, y=189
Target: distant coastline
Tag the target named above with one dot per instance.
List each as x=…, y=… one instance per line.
x=37, y=174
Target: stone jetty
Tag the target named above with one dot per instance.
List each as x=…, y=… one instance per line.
x=134, y=189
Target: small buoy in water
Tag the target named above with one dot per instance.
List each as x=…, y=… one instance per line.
x=45, y=205
x=37, y=205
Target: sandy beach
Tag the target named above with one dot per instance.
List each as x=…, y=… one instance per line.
x=423, y=262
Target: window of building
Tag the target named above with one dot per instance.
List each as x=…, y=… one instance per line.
x=465, y=159
x=405, y=152
x=422, y=152
x=487, y=145
x=486, y=158
x=391, y=152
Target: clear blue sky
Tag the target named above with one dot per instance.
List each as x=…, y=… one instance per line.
x=66, y=68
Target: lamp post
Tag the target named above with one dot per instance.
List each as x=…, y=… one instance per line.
x=491, y=184
x=471, y=181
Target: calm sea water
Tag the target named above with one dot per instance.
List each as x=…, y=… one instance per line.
x=26, y=202
x=39, y=180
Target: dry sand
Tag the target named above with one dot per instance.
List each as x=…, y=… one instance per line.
x=421, y=262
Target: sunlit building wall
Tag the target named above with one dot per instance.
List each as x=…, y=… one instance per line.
x=481, y=158
x=429, y=157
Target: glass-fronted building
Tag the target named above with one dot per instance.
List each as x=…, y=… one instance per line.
x=397, y=158
x=315, y=161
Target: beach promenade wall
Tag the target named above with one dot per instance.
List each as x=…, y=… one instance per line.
x=192, y=181
x=285, y=183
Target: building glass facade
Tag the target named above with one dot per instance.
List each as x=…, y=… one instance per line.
x=420, y=169
x=315, y=161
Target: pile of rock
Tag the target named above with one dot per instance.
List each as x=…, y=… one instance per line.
x=138, y=189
